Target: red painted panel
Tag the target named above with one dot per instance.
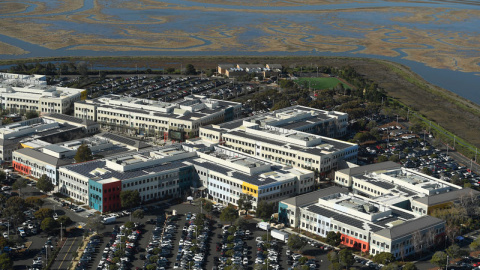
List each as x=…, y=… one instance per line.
x=353, y=242
x=19, y=167
x=111, y=196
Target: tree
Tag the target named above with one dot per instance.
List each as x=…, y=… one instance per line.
x=64, y=220
x=43, y=213
x=410, y=266
x=286, y=84
x=229, y=214
x=6, y=262
x=394, y=158
x=82, y=69
x=382, y=158
x=94, y=223
x=345, y=258
x=14, y=214
x=390, y=266
x=207, y=205
x=426, y=171
x=31, y=114
x=241, y=223
x=3, y=176
x=439, y=259
x=332, y=256
x=295, y=242
x=418, y=241
x=454, y=251
x=190, y=70
x=44, y=184
x=475, y=245
x=334, y=238
x=129, y=198
x=19, y=184
x=16, y=202
x=281, y=104
x=384, y=258
x=469, y=202
x=138, y=214
x=48, y=224
x=265, y=210
x=34, y=201
x=84, y=153
x=245, y=202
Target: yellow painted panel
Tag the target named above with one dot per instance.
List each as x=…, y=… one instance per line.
x=253, y=189
x=26, y=146
x=83, y=95
x=439, y=206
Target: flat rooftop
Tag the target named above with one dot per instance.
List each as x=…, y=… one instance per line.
x=326, y=146
x=294, y=117
x=190, y=108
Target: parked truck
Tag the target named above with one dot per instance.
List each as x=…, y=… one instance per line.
x=108, y=220
x=264, y=226
x=282, y=236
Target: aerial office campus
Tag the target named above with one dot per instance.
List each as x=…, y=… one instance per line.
x=279, y=156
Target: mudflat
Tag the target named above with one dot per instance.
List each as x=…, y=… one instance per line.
x=438, y=35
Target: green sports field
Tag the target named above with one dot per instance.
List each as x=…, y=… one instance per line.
x=320, y=83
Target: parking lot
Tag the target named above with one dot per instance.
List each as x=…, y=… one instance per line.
x=181, y=239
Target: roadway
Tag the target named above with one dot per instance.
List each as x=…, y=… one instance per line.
x=65, y=256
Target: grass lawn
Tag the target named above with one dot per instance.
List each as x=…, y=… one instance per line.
x=320, y=83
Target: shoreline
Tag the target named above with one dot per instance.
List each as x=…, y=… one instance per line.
x=453, y=112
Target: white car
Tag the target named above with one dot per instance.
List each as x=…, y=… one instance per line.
x=5, y=235
x=245, y=261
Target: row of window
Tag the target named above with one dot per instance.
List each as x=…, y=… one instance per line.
x=369, y=189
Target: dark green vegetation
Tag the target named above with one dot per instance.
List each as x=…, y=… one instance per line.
x=129, y=198
x=322, y=83
x=84, y=153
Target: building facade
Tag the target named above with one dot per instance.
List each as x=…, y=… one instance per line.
x=364, y=224
x=284, y=146
x=38, y=158
x=155, y=173
x=176, y=121
x=23, y=93
x=226, y=174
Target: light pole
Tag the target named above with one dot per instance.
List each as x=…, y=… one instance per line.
x=267, y=242
x=446, y=266
x=61, y=231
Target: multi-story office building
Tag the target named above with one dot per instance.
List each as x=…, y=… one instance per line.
x=331, y=124
x=364, y=224
x=176, y=121
x=428, y=204
x=235, y=70
x=389, y=183
x=39, y=158
x=176, y=170
x=22, y=79
x=13, y=136
x=23, y=93
x=226, y=174
x=158, y=172
x=284, y=146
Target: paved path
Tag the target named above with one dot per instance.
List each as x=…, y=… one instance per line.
x=65, y=255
